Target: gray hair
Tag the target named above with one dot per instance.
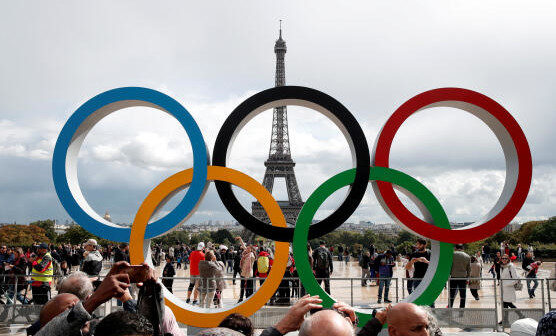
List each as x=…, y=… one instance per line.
x=77, y=283
x=434, y=329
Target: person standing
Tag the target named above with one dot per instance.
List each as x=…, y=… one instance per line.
x=461, y=270
x=519, y=252
x=340, y=252
x=41, y=275
x=168, y=273
x=497, y=265
x=385, y=273
x=530, y=266
x=246, y=266
x=92, y=261
x=322, y=265
x=419, y=260
x=486, y=250
x=17, y=281
x=372, y=249
x=209, y=270
x=475, y=282
x=509, y=278
x=194, y=258
x=121, y=253
x=365, y=265
x=230, y=260
x=171, y=252
x=408, y=273
x=237, y=268
x=264, y=263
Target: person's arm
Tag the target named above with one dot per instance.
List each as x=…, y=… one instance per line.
x=69, y=322
x=468, y=268
x=374, y=326
x=330, y=263
x=43, y=265
x=294, y=317
x=409, y=264
x=241, y=243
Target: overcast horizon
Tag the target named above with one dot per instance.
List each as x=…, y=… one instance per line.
x=370, y=56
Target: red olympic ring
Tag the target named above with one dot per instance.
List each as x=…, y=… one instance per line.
x=519, y=167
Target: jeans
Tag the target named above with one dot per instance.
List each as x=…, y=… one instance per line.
x=461, y=286
x=229, y=266
x=535, y=282
x=11, y=293
x=383, y=284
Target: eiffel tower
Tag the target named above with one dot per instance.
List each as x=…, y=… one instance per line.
x=279, y=163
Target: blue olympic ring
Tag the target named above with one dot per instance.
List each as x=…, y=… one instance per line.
x=64, y=161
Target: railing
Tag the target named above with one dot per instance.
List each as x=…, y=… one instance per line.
x=484, y=313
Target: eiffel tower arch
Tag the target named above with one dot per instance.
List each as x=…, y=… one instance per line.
x=280, y=163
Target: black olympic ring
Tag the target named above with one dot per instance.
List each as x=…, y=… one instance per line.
x=318, y=101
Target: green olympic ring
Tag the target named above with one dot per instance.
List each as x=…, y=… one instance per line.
x=440, y=264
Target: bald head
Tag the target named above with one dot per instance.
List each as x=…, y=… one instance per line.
x=407, y=319
x=56, y=306
x=329, y=320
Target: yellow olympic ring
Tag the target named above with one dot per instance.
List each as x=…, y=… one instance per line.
x=138, y=245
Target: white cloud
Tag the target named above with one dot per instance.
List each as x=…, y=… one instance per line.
x=370, y=56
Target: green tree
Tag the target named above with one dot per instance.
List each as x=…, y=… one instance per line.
x=405, y=236
x=222, y=235
x=544, y=232
x=48, y=226
x=75, y=234
x=22, y=235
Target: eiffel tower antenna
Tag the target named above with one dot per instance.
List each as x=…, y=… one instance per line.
x=280, y=163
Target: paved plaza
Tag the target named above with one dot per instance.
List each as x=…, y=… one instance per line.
x=346, y=286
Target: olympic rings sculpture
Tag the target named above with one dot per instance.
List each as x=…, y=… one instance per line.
x=374, y=169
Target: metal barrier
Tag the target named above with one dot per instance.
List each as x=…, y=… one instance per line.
x=550, y=288
x=484, y=313
x=521, y=303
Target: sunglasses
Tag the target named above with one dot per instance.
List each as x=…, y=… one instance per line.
x=505, y=258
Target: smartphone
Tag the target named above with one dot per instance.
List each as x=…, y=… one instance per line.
x=137, y=273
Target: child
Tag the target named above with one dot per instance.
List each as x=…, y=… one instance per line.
x=168, y=273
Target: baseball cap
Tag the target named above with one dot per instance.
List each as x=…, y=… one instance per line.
x=43, y=246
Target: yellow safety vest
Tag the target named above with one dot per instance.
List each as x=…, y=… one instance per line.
x=39, y=276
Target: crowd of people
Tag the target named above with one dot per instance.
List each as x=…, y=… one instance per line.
x=80, y=289
x=71, y=313
x=35, y=269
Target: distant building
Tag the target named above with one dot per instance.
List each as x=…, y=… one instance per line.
x=107, y=216
x=60, y=229
x=512, y=227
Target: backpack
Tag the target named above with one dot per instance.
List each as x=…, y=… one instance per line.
x=322, y=259
x=263, y=264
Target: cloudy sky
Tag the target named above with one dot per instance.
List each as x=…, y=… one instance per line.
x=210, y=56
